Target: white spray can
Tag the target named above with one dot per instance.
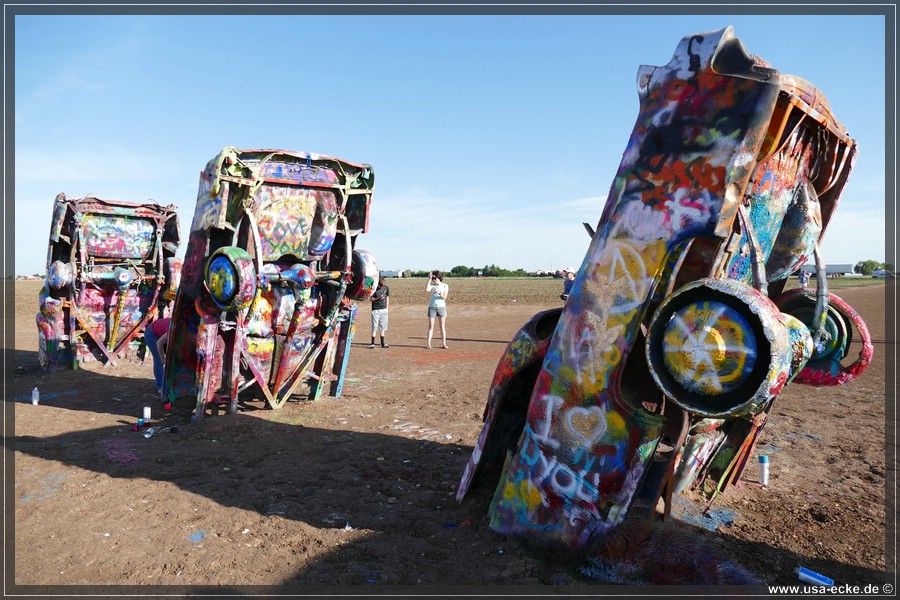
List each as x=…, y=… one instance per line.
x=764, y=469
x=35, y=396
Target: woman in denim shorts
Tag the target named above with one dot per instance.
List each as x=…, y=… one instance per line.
x=437, y=306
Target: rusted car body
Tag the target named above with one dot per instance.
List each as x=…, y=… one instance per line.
x=111, y=270
x=662, y=367
x=270, y=278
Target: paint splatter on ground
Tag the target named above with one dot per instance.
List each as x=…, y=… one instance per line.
x=713, y=519
x=803, y=435
x=119, y=451
x=641, y=555
x=45, y=488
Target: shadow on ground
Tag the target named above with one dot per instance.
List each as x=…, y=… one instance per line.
x=398, y=490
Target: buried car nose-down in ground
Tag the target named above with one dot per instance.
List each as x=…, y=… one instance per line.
x=662, y=368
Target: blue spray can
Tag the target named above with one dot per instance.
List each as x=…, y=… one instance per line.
x=812, y=577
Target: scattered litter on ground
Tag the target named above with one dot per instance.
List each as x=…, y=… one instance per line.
x=27, y=397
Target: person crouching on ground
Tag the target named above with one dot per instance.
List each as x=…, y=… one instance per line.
x=379, y=302
x=437, y=306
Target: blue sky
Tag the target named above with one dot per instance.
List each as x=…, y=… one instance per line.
x=492, y=138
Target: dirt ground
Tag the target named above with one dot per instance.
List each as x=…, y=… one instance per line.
x=359, y=490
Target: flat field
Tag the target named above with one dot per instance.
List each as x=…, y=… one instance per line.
x=540, y=291
x=359, y=490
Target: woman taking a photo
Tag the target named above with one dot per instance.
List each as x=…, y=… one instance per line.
x=437, y=306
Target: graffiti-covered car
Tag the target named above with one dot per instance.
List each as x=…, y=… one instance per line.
x=662, y=367
x=271, y=277
x=111, y=270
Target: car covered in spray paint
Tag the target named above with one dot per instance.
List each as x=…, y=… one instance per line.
x=111, y=271
x=271, y=276
x=663, y=365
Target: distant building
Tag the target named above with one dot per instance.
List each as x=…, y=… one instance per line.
x=837, y=269
x=387, y=274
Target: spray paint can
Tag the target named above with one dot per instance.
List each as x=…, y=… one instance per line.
x=146, y=414
x=813, y=578
x=35, y=396
x=764, y=469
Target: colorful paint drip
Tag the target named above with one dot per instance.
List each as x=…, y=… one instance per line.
x=269, y=278
x=111, y=271
x=662, y=367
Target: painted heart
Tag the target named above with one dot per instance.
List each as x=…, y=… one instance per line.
x=588, y=423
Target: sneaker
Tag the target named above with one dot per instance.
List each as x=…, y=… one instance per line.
x=371, y=345
x=385, y=346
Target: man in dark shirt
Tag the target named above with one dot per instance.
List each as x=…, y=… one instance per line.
x=379, y=302
x=567, y=284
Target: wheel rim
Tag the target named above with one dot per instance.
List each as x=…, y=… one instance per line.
x=710, y=348
x=222, y=280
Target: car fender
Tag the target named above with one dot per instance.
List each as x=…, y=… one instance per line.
x=511, y=388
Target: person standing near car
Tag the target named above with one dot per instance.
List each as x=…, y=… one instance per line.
x=567, y=284
x=437, y=306
x=379, y=302
x=156, y=336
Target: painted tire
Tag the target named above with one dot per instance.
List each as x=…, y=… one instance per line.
x=230, y=278
x=824, y=367
x=364, y=276
x=718, y=347
x=803, y=307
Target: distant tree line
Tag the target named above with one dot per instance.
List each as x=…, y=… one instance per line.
x=866, y=267
x=485, y=271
